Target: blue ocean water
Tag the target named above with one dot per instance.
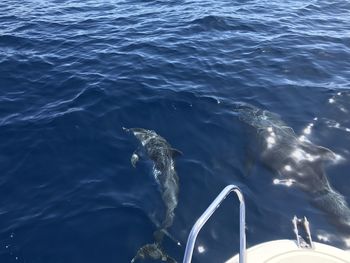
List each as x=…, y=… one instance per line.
x=73, y=73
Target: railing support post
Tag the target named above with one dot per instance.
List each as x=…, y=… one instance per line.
x=208, y=213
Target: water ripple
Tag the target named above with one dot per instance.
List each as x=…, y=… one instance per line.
x=73, y=73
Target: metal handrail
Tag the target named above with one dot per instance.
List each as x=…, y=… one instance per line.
x=208, y=213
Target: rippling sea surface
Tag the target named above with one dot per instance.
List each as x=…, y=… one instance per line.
x=73, y=73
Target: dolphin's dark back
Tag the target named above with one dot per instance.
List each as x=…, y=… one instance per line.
x=256, y=117
x=159, y=151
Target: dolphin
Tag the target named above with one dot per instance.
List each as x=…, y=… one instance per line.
x=297, y=161
x=160, y=152
x=154, y=251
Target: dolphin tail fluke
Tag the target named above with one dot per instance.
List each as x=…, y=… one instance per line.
x=159, y=235
x=153, y=251
x=161, y=232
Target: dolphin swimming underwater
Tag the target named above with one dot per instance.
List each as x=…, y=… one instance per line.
x=162, y=155
x=297, y=161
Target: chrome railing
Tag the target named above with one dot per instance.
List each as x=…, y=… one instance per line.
x=208, y=213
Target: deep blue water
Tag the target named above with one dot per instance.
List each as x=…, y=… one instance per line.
x=73, y=73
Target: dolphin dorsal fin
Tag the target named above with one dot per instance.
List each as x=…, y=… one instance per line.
x=326, y=153
x=323, y=152
x=176, y=152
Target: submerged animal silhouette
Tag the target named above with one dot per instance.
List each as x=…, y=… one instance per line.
x=162, y=154
x=154, y=251
x=297, y=161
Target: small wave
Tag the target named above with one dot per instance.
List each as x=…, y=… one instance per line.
x=55, y=109
x=14, y=41
x=219, y=23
